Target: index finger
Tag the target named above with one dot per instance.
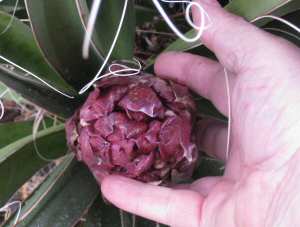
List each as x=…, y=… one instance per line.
x=237, y=43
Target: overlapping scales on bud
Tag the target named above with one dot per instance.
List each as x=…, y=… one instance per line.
x=140, y=127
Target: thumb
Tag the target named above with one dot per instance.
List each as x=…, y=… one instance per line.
x=164, y=205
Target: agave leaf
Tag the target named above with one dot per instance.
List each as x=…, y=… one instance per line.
x=9, y=5
x=209, y=167
x=62, y=198
x=207, y=109
x=106, y=26
x=252, y=9
x=148, y=4
x=9, y=93
x=17, y=44
x=38, y=93
x=11, y=132
x=287, y=8
x=19, y=160
x=285, y=31
x=59, y=32
x=144, y=14
x=42, y=189
x=102, y=214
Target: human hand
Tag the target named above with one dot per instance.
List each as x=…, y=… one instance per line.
x=260, y=186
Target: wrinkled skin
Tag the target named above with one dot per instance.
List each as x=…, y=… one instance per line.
x=260, y=187
x=139, y=127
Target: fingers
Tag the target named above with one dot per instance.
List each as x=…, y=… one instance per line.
x=202, y=75
x=212, y=138
x=237, y=43
x=164, y=205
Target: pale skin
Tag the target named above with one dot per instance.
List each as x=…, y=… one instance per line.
x=260, y=186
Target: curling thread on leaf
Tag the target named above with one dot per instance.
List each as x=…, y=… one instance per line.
x=139, y=126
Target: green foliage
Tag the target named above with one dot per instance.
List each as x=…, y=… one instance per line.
x=18, y=45
x=52, y=49
x=20, y=160
x=109, y=16
x=62, y=199
x=59, y=33
x=64, y=51
x=11, y=132
x=9, y=5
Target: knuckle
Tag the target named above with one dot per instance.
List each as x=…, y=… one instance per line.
x=189, y=68
x=192, y=69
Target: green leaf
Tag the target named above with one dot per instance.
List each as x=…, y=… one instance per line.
x=63, y=197
x=290, y=7
x=17, y=44
x=209, y=167
x=144, y=14
x=19, y=160
x=59, y=32
x=148, y=4
x=9, y=95
x=11, y=132
x=43, y=189
x=207, y=109
x=9, y=5
x=106, y=215
x=284, y=31
x=38, y=93
x=102, y=214
x=106, y=26
x=252, y=9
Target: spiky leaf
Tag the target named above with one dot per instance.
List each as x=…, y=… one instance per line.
x=59, y=33
x=17, y=45
x=38, y=93
x=109, y=16
x=62, y=198
x=11, y=132
x=20, y=160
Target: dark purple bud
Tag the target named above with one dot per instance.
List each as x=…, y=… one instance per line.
x=139, y=127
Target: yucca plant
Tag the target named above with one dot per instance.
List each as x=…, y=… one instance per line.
x=48, y=48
